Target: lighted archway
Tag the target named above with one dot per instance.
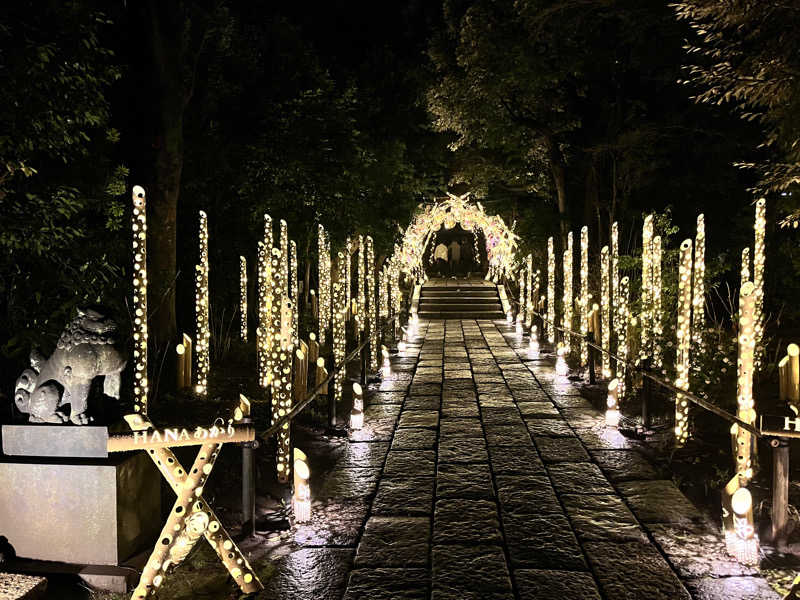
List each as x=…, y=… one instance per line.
x=501, y=242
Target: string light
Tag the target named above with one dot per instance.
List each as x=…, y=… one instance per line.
x=282, y=353
x=348, y=252
x=698, y=285
x=203, y=329
x=294, y=292
x=684, y=342
x=339, y=331
x=532, y=293
x=566, y=323
x=657, y=319
x=623, y=319
x=550, y=326
x=523, y=302
x=615, y=272
x=243, y=299
x=760, y=229
x=584, y=305
x=139, y=229
x=362, y=283
x=372, y=308
x=605, y=311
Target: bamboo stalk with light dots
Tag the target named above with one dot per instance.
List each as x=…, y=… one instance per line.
x=536, y=300
x=203, y=326
x=605, y=311
x=551, y=292
x=243, y=299
x=264, y=333
x=566, y=322
x=294, y=292
x=372, y=308
x=657, y=317
x=339, y=332
x=139, y=230
x=614, y=273
x=623, y=320
x=647, y=287
x=759, y=227
x=684, y=339
x=348, y=249
x=324, y=291
x=745, y=271
x=744, y=381
x=529, y=307
x=362, y=283
x=522, y=299
x=698, y=287
x=585, y=297
x=281, y=364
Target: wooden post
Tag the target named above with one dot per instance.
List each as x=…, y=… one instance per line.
x=187, y=358
x=780, y=488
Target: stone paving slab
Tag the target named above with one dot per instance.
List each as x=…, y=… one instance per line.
x=319, y=573
x=542, y=541
x=459, y=521
x=470, y=573
x=410, y=495
x=388, y=584
x=551, y=584
x=394, y=542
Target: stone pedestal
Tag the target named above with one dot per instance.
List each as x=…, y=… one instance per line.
x=83, y=509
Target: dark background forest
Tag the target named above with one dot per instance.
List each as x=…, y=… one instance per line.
x=555, y=113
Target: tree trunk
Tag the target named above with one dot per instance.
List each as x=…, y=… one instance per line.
x=559, y=173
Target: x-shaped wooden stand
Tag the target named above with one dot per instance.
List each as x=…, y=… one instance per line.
x=191, y=516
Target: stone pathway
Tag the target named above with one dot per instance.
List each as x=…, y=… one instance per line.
x=480, y=474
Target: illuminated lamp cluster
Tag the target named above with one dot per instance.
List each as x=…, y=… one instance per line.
x=523, y=300
x=623, y=319
x=584, y=304
x=566, y=322
x=263, y=332
x=203, y=326
x=243, y=299
x=745, y=272
x=372, y=307
x=301, y=500
x=605, y=311
x=684, y=338
x=550, y=325
x=139, y=227
x=789, y=377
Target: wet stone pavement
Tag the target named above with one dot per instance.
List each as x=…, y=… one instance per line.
x=481, y=474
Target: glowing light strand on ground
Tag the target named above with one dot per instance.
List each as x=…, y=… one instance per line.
x=684, y=337
x=605, y=311
x=566, y=322
x=203, y=328
x=585, y=304
x=243, y=299
x=551, y=292
x=139, y=229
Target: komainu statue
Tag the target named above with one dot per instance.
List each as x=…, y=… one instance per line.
x=84, y=351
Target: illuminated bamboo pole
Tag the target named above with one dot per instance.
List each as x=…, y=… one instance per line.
x=383, y=292
x=348, y=249
x=605, y=311
x=745, y=271
x=657, y=317
x=536, y=298
x=294, y=292
x=280, y=381
x=243, y=299
x=397, y=296
x=684, y=337
x=614, y=273
x=362, y=283
x=744, y=382
x=324, y=291
x=523, y=303
x=339, y=332
x=623, y=320
x=759, y=227
x=551, y=292
x=532, y=295
x=203, y=328
x=584, y=305
x=793, y=376
x=372, y=309
x=139, y=247
x=264, y=334
x=647, y=287
x=698, y=286
x=566, y=322
x=284, y=246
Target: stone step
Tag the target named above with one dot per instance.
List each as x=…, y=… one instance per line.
x=456, y=306
x=458, y=298
x=449, y=292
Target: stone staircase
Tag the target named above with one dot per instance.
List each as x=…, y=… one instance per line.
x=459, y=299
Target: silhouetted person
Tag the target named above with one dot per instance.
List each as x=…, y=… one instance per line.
x=440, y=256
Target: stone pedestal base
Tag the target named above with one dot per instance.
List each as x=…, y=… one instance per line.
x=90, y=511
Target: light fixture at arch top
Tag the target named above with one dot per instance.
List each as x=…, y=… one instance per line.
x=500, y=239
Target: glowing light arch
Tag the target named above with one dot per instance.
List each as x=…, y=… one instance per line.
x=501, y=241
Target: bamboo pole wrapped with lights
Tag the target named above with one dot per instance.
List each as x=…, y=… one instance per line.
x=372, y=308
x=614, y=273
x=657, y=319
x=282, y=360
x=294, y=292
x=324, y=291
x=535, y=296
x=605, y=311
x=529, y=307
x=243, y=299
x=266, y=339
x=284, y=247
x=585, y=304
x=139, y=247
x=623, y=320
x=348, y=252
x=551, y=292
x=261, y=355
x=523, y=303
x=383, y=292
x=362, y=283
x=684, y=338
x=203, y=328
x=647, y=287
x=745, y=271
x=566, y=322
x=339, y=332
x=397, y=296
x=698, y=286
x=744, y=382
x=760, y=231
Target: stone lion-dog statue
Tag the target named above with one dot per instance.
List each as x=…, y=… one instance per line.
x=85, y=350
